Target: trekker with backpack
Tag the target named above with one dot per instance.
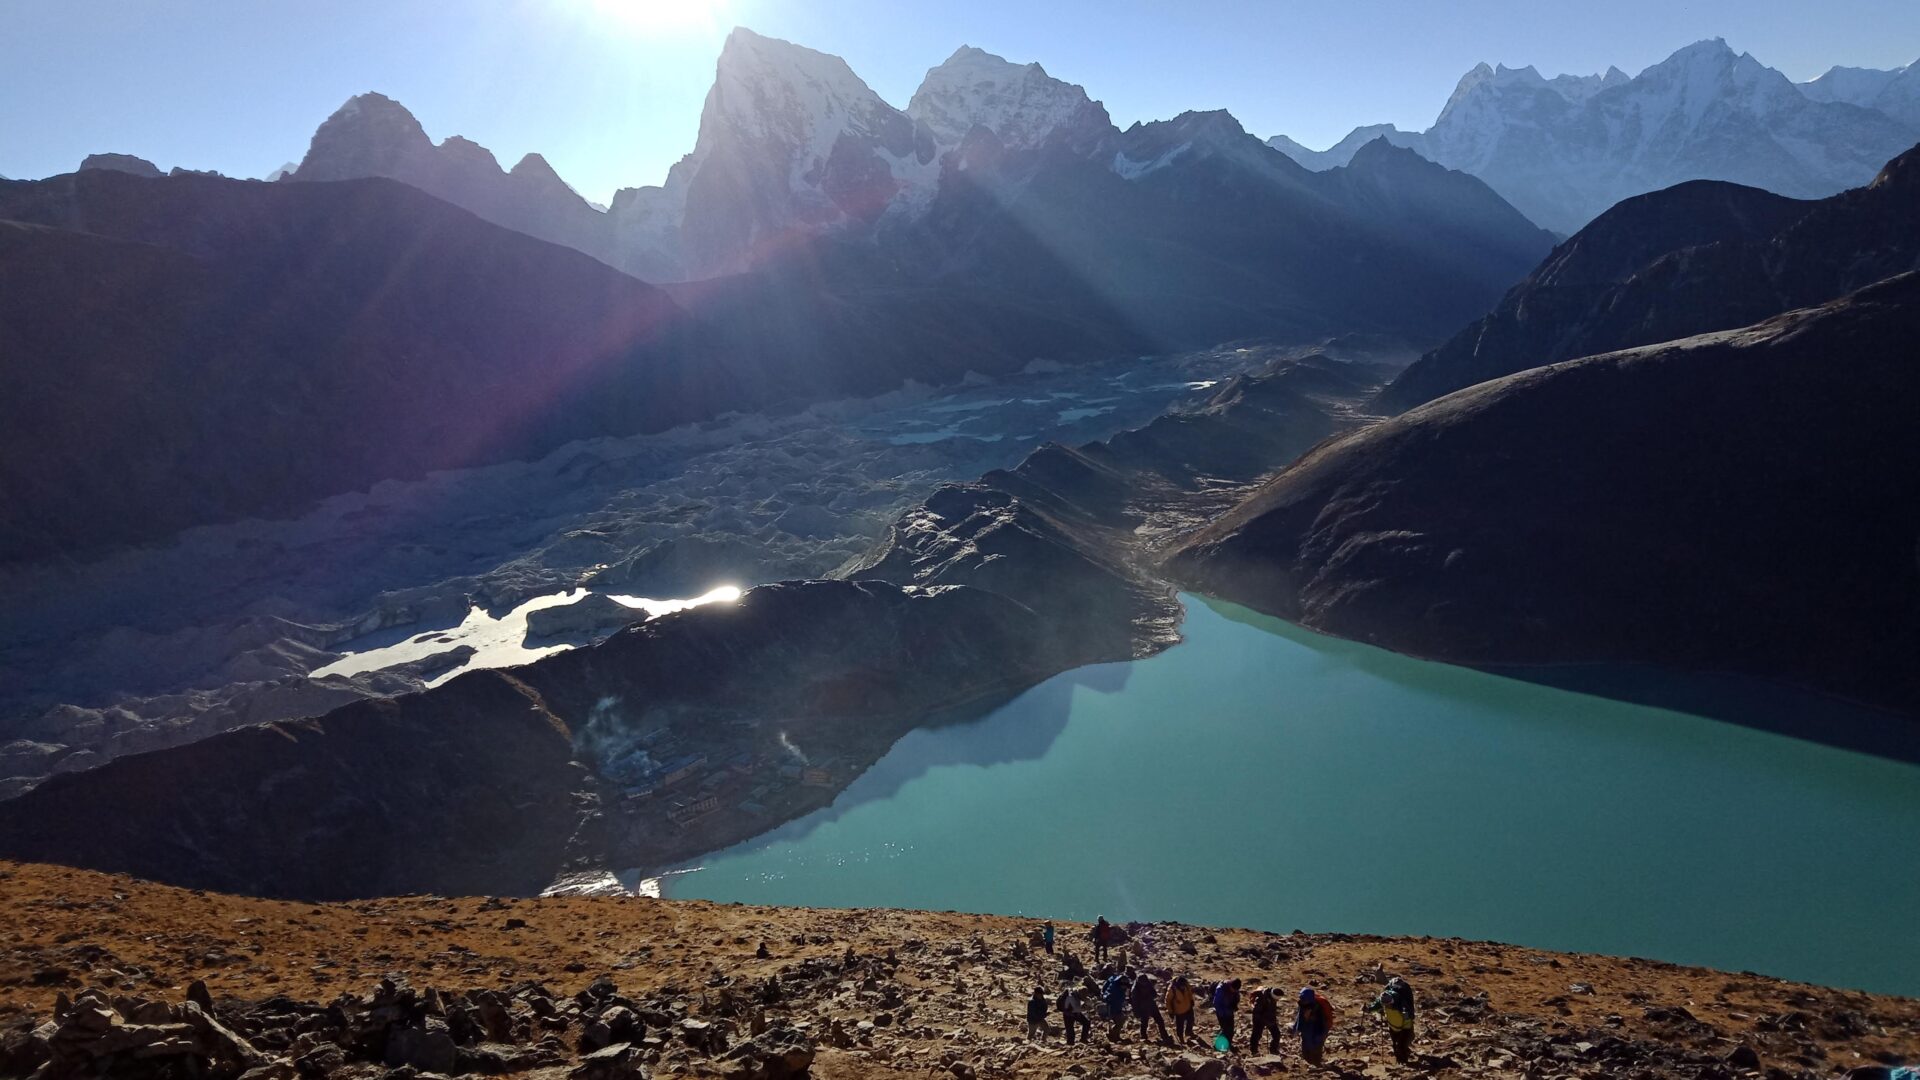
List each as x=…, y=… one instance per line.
x=1266, y=1019
x=1180, y=1007
x=1046, y=938
x=1101, y=932
x=1395, y=1006
x=1073, y=1010
x=1037, y=1014
x=1146, y=1006
x=1226, y=1002
x=1115, y=995
x=1313, y=1020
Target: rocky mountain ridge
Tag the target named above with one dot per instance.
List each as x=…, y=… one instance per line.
x=794, y=149
x=373, y=135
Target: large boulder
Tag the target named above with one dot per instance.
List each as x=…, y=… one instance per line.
x=429, y=1048
x=776, y=1054
x=617, y=1062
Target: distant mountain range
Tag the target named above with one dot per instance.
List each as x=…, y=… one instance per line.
x=252, y=346
x=1564, y=149
x=793, y=147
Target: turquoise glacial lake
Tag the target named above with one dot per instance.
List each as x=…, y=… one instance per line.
x=1262, y=775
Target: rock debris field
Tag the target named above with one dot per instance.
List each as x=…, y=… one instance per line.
x=103, y=975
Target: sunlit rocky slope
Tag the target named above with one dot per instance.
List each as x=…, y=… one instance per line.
x=117, y=975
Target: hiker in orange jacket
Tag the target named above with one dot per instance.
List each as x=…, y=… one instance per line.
x=1180, y=1007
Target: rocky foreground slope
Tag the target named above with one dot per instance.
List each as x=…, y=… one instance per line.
x=107, y=975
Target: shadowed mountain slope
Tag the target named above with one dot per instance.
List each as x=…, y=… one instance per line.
x=190, y=349
x=1744, y=501
x=1694, y=258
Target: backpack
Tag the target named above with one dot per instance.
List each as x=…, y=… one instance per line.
x=1402, y=996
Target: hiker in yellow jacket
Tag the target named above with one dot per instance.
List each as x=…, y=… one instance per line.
x=1180, y=1007
x=1395, y=1006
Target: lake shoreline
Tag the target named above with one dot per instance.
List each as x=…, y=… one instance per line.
x=1551, y=800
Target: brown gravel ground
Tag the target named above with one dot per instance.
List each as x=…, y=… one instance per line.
x=1485, y=1009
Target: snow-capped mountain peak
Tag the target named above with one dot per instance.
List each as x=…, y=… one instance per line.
x=1563, y=149
x=798, y=142
x=1709, y=73
x=1020, y=103
x=1852, y=85
x=766, y=88
x=1895, y=91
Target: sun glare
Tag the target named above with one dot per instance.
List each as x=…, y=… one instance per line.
x=663, y=16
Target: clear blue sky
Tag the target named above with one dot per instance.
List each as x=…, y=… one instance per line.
x=610, y=90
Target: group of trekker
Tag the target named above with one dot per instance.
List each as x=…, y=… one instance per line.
x=1116, y=991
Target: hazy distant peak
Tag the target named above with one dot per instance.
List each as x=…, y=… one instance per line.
x=1380, y=151
x=126, y=163
x=768, y=89
x=462, y=149
x=968, y=54
x=1893, y=91
x=1020, y=103
x=1499, y=77
x=1342, y=152
x=749, y=55
x=1208, y=121
x=370, y=135
x=373, y=107
x=1713, y=48
x=1149, y=147
x=534, y=166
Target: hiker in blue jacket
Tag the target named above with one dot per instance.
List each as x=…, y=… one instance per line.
x=1226, y=1002
x=1114, y=993
x=1313, y=1019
